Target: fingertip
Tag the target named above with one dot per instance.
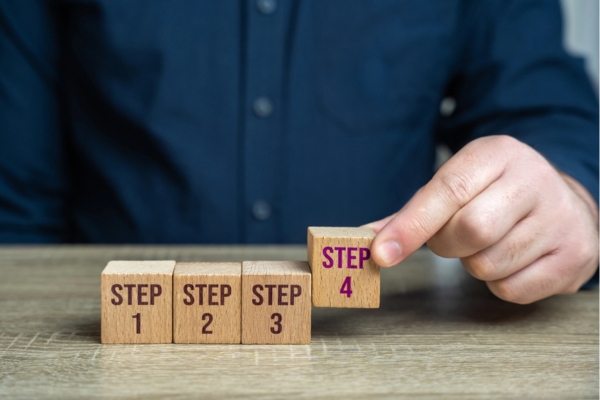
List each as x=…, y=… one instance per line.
x=387, y=254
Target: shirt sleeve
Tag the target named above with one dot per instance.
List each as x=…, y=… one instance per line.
x=514, y=77
x=32, y=178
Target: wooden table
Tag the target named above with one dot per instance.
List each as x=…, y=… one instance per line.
x=438, y=333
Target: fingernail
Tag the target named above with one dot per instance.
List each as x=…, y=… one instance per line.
x=389, y=252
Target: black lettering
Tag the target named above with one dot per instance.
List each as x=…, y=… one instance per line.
x=212, y=294
x=259, y=299
x=281, y=294
x=201, y=293
x=186, y=291
x=225, y=292
x=141, y=294
x=113, y=289
x=296, y=292
x=270, y=287
x=155, y=291
x=129, y=296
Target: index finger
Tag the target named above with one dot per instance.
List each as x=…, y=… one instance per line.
x=460, y=180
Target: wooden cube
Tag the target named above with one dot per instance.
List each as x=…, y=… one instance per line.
x=276, y=302
x=207, y=303
x=137, y=302
x=343, y=272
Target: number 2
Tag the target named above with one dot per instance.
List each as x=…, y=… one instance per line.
x=346, y=287
x=277, y=328
x=205, y=330
x=138, y=323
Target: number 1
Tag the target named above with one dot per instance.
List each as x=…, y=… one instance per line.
x=137, y=318
x=346, y=287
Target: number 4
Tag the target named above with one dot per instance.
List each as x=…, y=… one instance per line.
x=346, y=287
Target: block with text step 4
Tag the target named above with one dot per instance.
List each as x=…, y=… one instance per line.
x=343, y=272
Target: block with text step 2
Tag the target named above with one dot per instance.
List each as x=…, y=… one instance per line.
x=207, y=302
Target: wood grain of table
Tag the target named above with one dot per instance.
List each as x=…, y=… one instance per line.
x=438, y=333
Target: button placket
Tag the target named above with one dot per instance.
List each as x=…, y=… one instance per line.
x=263, y=137
x=261, y=210
x=262, y=107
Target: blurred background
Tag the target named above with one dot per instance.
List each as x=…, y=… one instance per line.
x=581, y=32
x=581, y=35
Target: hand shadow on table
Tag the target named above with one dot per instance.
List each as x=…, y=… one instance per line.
x=469, y=306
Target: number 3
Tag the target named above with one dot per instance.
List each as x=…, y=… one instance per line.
x=277, y=329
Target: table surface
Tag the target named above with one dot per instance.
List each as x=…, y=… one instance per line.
x=438, y=332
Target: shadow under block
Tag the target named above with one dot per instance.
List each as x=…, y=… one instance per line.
x=207, y=302
x=343, y=272
x=137, y=302
x=276, y=305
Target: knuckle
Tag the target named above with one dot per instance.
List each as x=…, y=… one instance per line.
x=439, y=245
x=418, y=226
x=480, y=266
x=457, y=187
x=589, y=252
x=507, y=290
x=506, y=141
x=477, y=229
x=545, y=173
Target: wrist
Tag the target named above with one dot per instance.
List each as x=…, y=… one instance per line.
x=584, y=195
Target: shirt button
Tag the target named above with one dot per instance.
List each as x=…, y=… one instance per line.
x=266, y=7
x=262, y=107
x=261, y=210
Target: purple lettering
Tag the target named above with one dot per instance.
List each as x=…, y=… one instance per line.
x=340, y=250
x=351, y=257
x=363, y=255
x=326, y=250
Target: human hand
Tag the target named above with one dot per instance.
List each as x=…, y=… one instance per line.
x=515, y=222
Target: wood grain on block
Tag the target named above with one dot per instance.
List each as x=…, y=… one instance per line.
x=207, y=302
x=276, y=305
x=137, y=302
x=343, y=272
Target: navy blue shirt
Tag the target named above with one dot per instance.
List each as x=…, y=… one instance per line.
x=247, y=121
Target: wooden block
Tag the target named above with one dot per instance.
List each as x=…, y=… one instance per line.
x=343, y=272
x=137, y=302
x=207, y=303
x=276, y=302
